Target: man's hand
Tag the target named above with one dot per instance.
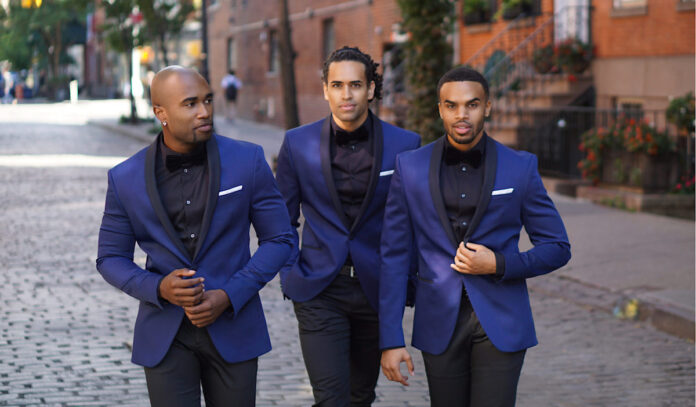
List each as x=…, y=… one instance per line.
x=181, y=291
x=213, y=303
x=474, y=259
x=391, y=361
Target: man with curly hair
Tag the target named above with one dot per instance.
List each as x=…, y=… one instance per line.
x=338, y=171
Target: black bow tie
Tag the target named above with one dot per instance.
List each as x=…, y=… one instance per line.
x=454, y=157
x=344, y=137
x=176, y=161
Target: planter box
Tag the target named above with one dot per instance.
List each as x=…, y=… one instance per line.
x=651, y=173
x=510, y=13
x=476, y=18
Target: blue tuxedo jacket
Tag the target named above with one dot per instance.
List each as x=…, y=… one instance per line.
x=305, y=179
x=242, y=192
x=512, y=196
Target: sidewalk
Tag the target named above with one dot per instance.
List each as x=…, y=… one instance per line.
x=634, y=265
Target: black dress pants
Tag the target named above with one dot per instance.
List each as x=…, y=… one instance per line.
x=472, y=372
x=193, y=361
x=339, y=334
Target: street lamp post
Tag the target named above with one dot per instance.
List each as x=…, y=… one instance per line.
x=204, y=34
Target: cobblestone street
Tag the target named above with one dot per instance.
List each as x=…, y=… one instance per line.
x=65, y=332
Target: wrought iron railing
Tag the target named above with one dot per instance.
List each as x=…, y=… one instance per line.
x=554, y=135
x=505, y=41
x=516, y=69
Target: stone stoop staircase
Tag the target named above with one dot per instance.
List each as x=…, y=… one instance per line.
x=518, y=92
x=515, y=112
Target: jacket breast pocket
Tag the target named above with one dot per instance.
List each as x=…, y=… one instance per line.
x=231, y=192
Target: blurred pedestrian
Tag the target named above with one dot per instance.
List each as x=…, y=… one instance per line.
x=338, y=171
x=9, y=85
x=188, y=200
x=463, y=200
x=231, y=84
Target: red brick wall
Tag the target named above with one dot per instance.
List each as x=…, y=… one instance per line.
x=662, y=31
x=471, y=42
x=366, y=26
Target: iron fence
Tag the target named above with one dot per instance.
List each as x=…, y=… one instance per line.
x=554, y=135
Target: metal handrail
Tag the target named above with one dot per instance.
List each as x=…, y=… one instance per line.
x=500, y=69
x=493, y=40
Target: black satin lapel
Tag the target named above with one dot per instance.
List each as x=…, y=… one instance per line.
x=325, y=157
x=156, y=201
x=377, y=150
x=213, y=189
x=436, y=192
x=491, y=165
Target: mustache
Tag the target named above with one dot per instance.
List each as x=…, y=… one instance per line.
x=463, y=122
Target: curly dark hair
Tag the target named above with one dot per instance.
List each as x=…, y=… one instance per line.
x=354, y=54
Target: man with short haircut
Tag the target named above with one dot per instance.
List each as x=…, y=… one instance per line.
x=338, y=171
x=188, y=201
x=231, y=84
x=463, y=200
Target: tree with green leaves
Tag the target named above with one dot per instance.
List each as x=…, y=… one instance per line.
x=163, y=21
x=428, y=57
x=122, y=35
x=42, y=35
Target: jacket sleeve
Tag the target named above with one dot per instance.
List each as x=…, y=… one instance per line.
x=545, y=229
x=276, y=241
x=115, y=252
x=413, y=273
x=289, y=187
x=396, y=252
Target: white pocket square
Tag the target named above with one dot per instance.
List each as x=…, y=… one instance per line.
x=385, y=173
x=229, y=191
x=502, y=191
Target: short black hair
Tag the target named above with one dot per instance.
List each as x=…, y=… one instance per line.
x=231, y=71
x=461, y=74
x=354, y=54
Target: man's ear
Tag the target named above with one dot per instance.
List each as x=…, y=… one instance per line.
x=487, y=112
x=371, y=91
x=325, y=86
x=160, y=114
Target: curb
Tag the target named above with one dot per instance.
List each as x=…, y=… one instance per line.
x=628, y=306
x=138, y=131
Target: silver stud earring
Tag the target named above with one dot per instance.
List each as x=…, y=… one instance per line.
x=164, y=123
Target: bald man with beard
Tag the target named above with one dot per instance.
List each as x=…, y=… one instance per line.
x=188, y=200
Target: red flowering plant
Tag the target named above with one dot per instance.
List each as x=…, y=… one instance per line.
x=573, y=56
x=632, y=135
x=684, y=186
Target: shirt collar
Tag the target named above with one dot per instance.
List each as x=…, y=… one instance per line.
x=173, y=160
x=343, y=137
x=473, y=157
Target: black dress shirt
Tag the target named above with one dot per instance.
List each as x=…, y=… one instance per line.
x=182, y=182
x=461, y=181
x=351, y=165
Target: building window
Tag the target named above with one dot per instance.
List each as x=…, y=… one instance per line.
x=630, y=107
x=273, y=53
x=629, y=3
x=685, y=5
x=231, y=54
x=627, y=8
x=328, y=38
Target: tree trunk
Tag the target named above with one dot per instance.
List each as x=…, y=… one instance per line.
x=287, y=68
x=163, y=49
x=128, y=39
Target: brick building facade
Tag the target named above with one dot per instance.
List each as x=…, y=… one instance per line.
x=644, y=52
x=244, y=36
x=644, y=48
